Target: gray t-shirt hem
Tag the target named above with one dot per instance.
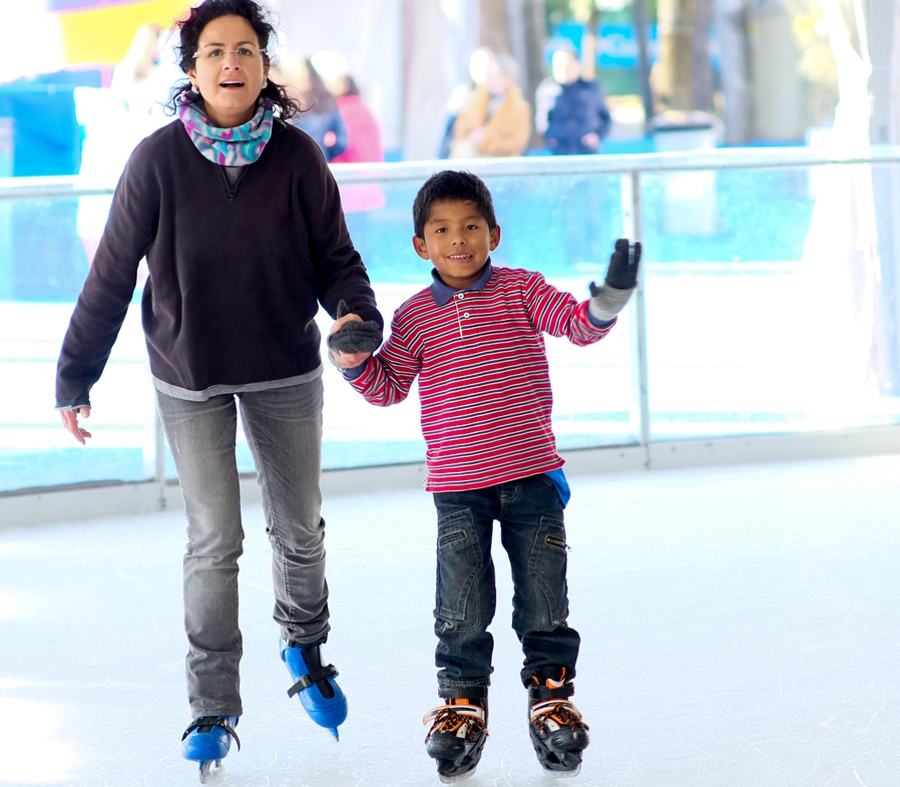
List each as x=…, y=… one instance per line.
x=220, y=390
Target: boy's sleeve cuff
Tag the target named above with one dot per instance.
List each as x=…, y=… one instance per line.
x=600, y=323
x=356, y=371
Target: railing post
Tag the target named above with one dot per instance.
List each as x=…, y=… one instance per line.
x=640, y=400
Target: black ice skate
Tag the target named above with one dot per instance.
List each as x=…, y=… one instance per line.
x=457, y=734
x=557, y=732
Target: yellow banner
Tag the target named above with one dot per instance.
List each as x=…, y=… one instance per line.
x=102, y=35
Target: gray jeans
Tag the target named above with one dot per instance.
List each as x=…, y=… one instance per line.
x=284, y=430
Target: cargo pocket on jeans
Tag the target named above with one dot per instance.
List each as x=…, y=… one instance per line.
x=547, y=567
x=458, y=564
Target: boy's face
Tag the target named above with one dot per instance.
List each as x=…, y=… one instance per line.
x=457, y=241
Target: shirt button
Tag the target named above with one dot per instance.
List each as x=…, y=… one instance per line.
x=460, y=296
x=465, y=314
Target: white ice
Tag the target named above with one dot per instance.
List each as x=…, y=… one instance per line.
x=740, y=626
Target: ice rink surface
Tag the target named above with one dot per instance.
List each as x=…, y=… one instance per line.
x=740, y=626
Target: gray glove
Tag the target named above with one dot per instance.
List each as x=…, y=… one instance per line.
x=354, y=337
x=621, y=279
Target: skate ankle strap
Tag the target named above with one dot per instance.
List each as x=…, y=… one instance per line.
x=311, y=677
x=474, y=693
x=538, y=693
x=206, y=723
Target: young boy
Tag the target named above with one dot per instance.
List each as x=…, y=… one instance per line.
x=474, y=339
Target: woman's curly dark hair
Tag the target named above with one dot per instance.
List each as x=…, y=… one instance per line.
x=204, y=13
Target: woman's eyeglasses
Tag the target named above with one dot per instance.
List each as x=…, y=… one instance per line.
x=244, y=54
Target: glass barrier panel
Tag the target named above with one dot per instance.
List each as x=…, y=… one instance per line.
x=562, y=226
x=767, y=309
x=43, y=262
x=761, y=299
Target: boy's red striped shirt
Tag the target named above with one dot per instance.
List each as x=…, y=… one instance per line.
x=484, y=381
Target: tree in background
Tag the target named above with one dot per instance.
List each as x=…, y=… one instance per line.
x=884, y=38
x=733, y=26
x=682, y=77
x=817, y=63
x=518, y=28
x=754, y=34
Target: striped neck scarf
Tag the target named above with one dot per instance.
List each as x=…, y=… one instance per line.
x=230, y=147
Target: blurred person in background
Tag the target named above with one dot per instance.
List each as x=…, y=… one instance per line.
x=579, y=119
x=115, y=119
x=364, y=135
x=364, y=139
x=496, y=119
x=142, y=79
x=240, y=220
x=479, y=61
x=320, y=118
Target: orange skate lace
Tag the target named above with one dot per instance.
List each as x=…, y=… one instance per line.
x=563, y=713
x=450, y=718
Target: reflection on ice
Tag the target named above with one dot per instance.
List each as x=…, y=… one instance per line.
x=31, y=749
x=10, y=606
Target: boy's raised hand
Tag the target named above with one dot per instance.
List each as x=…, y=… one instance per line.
x=610, y=298
x=623, y=265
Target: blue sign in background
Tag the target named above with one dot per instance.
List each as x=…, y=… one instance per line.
x=617, y=44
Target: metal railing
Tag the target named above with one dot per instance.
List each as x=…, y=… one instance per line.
x=631, y=170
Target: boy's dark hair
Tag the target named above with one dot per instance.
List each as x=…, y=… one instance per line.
x=456, y=186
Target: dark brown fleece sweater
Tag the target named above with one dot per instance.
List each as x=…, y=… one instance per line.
x=237, y=272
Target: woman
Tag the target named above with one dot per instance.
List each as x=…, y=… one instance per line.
x=496, y=120
x=241, y=224
x=321, y=118
x=364, y=137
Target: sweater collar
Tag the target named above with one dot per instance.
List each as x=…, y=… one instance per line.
x=442, y=293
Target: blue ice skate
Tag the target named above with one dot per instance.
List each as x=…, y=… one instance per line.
x=207, y=740
x=320, y=694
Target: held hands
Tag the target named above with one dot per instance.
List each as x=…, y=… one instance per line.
x=345, y=360
x=621, y=279
x=351, y=340
x=70, y=422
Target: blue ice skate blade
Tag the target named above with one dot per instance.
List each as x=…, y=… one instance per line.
x=209, y=742
x=329, y=712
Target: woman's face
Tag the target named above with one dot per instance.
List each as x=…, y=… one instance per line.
x=229, y=70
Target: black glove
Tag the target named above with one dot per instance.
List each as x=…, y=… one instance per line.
x=621, y=279
x=355, y=337
x=623, y=266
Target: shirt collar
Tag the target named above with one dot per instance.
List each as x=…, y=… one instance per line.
x=442, y=293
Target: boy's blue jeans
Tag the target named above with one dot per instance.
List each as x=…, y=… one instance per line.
x=534, y=537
